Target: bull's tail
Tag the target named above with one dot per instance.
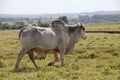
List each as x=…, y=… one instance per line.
x=21, y=32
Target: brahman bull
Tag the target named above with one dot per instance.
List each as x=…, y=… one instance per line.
x=60, y=38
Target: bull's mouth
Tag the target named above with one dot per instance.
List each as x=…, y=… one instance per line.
x=85, y=37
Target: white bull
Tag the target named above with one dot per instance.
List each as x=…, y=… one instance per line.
x=60, y=38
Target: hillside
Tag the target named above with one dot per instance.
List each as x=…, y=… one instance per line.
x=73, y=15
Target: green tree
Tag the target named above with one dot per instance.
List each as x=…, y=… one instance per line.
x=5, y=26
x=0, y=25
x=18, y=25
x=34, y=25
x=64, y=18
x=39, y=23
x=45, y=25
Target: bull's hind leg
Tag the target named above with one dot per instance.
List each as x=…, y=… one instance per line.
x=20, y=56
x=31, y=56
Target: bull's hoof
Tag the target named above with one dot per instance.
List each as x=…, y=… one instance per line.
x=62, y=64
x=50, y=64
x=36, y=67
x=16, y=67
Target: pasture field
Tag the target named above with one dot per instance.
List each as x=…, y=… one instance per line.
x=96, y=58
x=112, y=26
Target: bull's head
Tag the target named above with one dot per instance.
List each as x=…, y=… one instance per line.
x=76, y=32
x=82, y=31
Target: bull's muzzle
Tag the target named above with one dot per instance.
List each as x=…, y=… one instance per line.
x=85, y=37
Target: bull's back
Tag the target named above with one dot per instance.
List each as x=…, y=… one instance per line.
x=24, y=32
x=38, y=37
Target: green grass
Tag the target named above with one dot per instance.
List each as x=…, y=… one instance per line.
x=97, y=58
x=104, y=26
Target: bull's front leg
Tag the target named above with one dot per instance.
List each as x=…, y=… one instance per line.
x=55, y=60
x=62, y=53
x=62, y=59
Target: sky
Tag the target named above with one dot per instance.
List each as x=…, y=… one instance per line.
x=57, y=6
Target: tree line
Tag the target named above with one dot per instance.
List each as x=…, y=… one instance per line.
x=17, y=25
x=99, y=18
x=20, y=24
x=44, y=22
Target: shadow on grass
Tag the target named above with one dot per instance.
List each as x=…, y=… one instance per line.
x=25, y=69
x=58, y=66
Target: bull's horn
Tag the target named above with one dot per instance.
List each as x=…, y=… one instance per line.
x=81, y=24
